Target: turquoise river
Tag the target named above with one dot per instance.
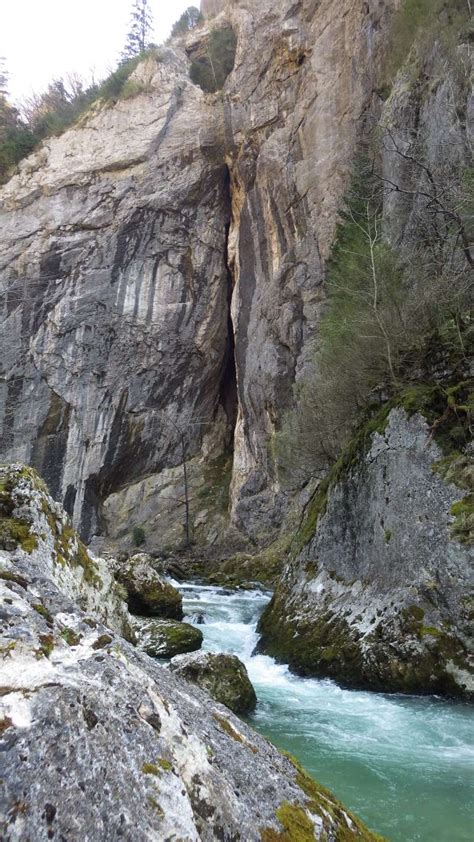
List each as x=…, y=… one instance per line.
x=403, y=764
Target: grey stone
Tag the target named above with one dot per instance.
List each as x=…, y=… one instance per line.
x=165, y=639
x=380, y=595
x=223, y=676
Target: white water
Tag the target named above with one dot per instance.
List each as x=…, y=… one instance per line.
x=404, y=764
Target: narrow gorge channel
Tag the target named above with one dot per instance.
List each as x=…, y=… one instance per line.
x=400, y=762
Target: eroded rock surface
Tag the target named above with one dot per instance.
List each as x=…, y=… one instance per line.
x=380, y=594
x=115, y=291
x=223, y=676
x=99, y=742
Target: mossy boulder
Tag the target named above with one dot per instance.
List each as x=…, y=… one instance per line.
x=149, y=594
x=223, y=676
x=165, y=638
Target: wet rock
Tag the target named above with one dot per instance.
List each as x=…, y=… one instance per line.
x=165, y=639
x=223, y=676
x=148, y=592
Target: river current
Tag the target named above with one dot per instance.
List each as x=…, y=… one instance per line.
x=405, y=765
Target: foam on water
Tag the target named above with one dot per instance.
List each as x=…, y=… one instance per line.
x=404, y=764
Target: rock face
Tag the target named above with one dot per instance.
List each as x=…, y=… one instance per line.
x=122, y=240
x=36, y=530
x=115, y=289
x=148, y=592
x=223, y=676
x=100, y=742
x=164, y=639
x=379, y=595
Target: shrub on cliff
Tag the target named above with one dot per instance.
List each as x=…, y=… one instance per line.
x=188, y=21
x=211, y=68
x=389, y=318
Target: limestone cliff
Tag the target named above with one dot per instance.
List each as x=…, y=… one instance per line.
x=114, y=291
x=122, y=242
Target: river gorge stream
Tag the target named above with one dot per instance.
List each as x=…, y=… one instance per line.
x=403, y=764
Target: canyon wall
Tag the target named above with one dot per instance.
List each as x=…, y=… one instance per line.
x=123, y=241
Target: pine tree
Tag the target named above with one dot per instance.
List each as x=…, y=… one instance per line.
x=141, y=27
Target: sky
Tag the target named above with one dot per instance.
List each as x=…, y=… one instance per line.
x=46, y=39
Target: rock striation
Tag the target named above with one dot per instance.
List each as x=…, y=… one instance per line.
x=101, y=742
x=379, y=594
x=123, y=242
x=114, y=291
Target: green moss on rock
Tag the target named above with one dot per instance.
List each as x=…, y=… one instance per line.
x=165, y=638
x=463, y=526
x=223, y=676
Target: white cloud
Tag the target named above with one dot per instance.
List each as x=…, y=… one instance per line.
x=46, y=39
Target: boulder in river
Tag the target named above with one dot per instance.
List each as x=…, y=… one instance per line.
x=165, y=638
x=223, y=676
x=149, y=593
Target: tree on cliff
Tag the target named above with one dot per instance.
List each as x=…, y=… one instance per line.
x=191, y=18
x=389, y=318
x=16, y=139
x=141, y=28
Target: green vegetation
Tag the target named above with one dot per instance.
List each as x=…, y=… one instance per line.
x=71, y=637
x=386, y=325
x=212, y=65
x=59, y=107
x=8, y=576
x=141, y=27
x=43, y=611
x=463, y=526
x=150, y=769
x=138, y=536
x=47, y=645
x=297, y=825
x=188, y=21
x=421, y=22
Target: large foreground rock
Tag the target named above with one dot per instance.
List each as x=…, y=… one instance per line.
x=165, y=639
x=379, y=595
x=223, y=676
x=101, y=743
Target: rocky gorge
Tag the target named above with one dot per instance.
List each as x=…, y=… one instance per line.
x=167, y=271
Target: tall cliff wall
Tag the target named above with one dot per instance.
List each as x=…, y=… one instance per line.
x=123, y=240
x=114, y=290
x=116, y=262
